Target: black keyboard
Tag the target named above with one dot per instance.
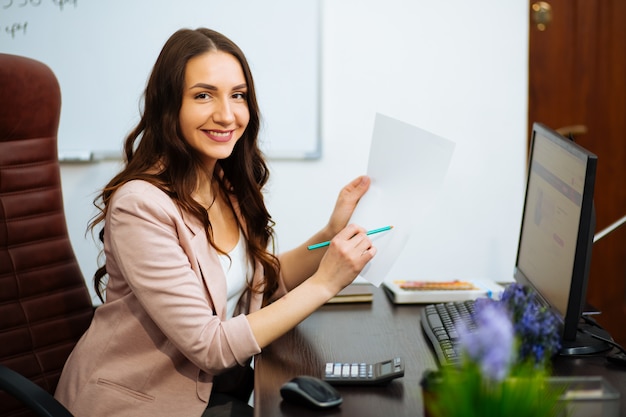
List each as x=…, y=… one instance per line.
x=440, y=321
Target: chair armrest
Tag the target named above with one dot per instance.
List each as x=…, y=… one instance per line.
x=31, y=394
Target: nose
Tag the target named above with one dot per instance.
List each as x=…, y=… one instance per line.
x=224, y=114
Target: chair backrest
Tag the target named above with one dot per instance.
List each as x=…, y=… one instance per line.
x=44, y=303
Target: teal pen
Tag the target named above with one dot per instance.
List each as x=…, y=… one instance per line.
x=370, y=232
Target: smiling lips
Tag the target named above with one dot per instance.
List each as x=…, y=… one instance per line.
x=219, y=136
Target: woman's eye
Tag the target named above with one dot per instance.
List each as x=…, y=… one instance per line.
x=239, y=96
x=203, y=96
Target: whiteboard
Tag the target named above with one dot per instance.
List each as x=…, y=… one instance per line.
x=102, y=53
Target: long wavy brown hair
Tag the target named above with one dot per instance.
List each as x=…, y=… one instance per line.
x=157, y=142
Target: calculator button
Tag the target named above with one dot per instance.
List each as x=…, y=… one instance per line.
x=345, y=371
x=337, y=370
x=329, y=368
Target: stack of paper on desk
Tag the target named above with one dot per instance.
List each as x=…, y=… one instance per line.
x=354, y=293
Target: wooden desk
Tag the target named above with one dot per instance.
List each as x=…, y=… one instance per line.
x=371, y=333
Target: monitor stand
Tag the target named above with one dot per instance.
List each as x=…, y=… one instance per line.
x=585, y=343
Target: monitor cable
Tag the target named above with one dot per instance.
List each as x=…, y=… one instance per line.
x=618, y=358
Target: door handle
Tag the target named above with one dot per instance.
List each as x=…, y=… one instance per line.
x=541, y=14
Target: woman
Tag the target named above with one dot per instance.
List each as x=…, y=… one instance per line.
x=192, y=290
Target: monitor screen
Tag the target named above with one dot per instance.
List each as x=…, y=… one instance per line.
x=558, y=223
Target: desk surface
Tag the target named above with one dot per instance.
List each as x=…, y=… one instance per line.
x=371, y=333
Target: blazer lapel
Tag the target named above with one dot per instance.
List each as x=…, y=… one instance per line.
x=205, y=261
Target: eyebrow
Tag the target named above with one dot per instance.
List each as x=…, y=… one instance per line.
x=214, y=88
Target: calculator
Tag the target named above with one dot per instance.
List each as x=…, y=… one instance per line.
x=361, y=373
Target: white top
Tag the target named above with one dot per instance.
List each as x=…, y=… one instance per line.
x=237, y=269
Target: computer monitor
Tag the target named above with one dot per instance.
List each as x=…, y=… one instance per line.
x=556, y=238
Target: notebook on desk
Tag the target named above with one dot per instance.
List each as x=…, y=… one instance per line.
x=357, y=292
x=416, y=292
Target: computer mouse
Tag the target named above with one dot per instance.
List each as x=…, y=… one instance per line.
x=311, y=392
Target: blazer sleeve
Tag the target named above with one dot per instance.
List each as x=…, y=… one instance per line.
x=152, y=249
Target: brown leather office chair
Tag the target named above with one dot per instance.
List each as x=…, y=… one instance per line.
x=44, y=303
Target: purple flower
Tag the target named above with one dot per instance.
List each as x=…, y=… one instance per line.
x=535, y=325
x=490, y=344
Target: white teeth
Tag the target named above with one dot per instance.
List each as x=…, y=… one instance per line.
x=222, y=134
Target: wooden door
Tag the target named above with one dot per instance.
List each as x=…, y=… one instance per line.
x=577, y=77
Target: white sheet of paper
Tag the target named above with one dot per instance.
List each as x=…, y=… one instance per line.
x=407, y=166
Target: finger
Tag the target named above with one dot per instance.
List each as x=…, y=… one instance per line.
x=361, y=242
x=351, y=231
x=369, y=252
x=353, y=192
x=359, y=183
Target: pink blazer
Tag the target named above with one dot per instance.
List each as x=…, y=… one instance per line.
x=154, y=346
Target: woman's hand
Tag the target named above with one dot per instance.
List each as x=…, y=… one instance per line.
x=300, y=263
x=348, y=253
x=347, y=200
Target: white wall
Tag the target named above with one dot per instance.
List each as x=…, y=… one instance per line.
x=449, y=67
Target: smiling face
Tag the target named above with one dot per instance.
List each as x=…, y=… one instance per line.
x=214, y=112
